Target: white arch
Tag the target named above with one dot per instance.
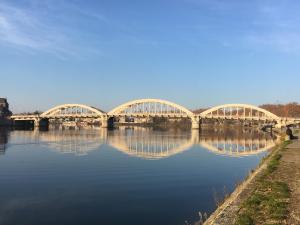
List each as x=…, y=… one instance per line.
x=123, y=147
x=55, y=109
x=262, y=145
x=122, y=107
x=149, y=146
x=267, y=113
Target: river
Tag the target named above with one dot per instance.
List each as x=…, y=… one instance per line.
x=128, y=176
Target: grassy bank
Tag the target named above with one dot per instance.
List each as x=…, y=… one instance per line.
x=268, y=202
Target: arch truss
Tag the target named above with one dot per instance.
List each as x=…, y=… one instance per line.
x=237, y=147
x=239, y=111
x=144, y=144
x=73, y=111
x=151, y=107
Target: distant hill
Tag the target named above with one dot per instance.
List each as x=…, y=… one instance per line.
x=199, y=110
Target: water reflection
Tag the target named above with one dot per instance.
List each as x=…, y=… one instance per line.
x=235, y=142
x=147, y=143
x=3, y=140
x=78, y=142
x=50, y=188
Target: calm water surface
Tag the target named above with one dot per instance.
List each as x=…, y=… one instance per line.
x=127, y=176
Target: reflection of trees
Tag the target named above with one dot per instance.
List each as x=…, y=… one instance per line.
x=288, y=110
x=3, y=140
x=146, y=143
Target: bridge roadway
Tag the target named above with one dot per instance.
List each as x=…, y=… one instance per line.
x=143, y=110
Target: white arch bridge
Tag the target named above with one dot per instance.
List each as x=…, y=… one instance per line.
x=144, y=109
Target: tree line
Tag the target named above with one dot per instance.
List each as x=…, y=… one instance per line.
x=283, y=110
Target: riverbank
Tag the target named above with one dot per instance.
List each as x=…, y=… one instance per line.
x=270, y=195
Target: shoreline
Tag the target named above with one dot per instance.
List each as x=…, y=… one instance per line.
x=227, y=213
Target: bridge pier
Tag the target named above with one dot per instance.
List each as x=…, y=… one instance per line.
x=37, y=123
x=104, y=122
x=195, y=136
x=107, y=122
x=196, y=123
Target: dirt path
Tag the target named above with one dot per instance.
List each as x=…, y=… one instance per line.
x=289, y=172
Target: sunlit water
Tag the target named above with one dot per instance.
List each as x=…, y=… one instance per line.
x=127, y=176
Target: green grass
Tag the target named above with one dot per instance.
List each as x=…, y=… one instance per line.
x=268, y=203
x=273, y=164
x=244, y=219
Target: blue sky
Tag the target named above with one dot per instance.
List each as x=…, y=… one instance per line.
x=197, y=53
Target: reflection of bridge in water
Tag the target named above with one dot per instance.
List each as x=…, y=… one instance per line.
x=237, y=147
x=150, y=145
x=78, y=142
x=146, y=143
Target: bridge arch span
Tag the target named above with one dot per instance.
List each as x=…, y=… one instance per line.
x=73, y=109
x=237, y=147
x=151, y=107
x=236, y=111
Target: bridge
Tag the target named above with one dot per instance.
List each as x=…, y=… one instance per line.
x=143, y=110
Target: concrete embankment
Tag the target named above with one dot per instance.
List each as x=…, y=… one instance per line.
x=271, y=194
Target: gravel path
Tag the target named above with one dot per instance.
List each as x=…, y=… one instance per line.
x=289, y=172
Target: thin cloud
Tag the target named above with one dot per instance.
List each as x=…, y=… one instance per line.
x=218, y=5
x=21, y=28
x=64, y=29
x=276, y=27
x=254, y=24
x=25, y=29
x=286, y=42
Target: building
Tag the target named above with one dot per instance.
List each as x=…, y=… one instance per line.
x=4, y=108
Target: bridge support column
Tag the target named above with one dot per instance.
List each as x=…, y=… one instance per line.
x=107, y=122
x=104, y=122
x=196, y=123
x=37, y=123
x=195, y=136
